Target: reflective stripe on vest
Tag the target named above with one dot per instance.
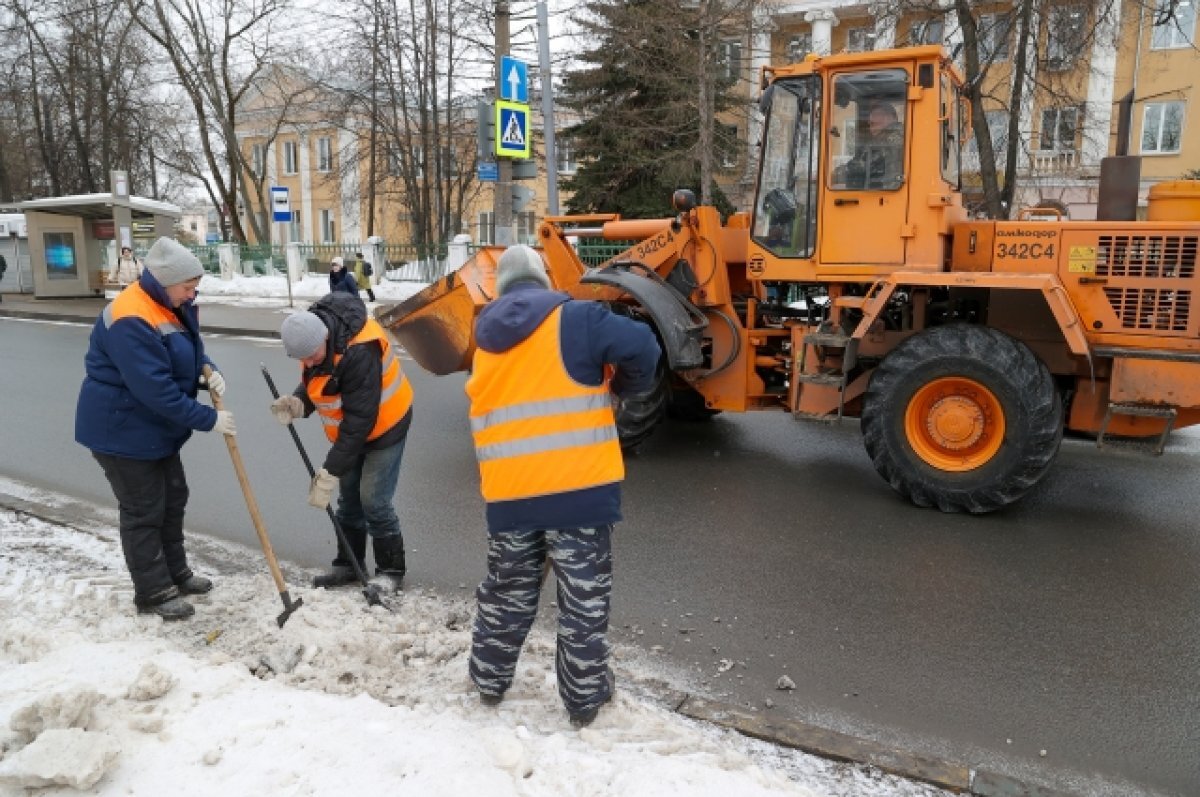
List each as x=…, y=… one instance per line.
x=395, y=391
x=537, y=431
x=135, y=302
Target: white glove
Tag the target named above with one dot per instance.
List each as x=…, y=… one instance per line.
x=224, y=423
x=287, y=409
x=215, y=383
x=322, y=489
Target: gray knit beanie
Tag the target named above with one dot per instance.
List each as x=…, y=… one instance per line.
x=171, y=263
x=520, y=263
x=303, y=334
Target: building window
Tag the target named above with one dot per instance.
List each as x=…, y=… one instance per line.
x=1174, y=24
x=860, y=40
x=1058, y=129
x=527, y=228
x=295, y=231
x=993, y=32
x=799, y=46
x=257, y=159
x=327, y=231
x=418, y=163
x=487, y=228
x=727, y=144
x=564, y=156
x=1162, y=127
x=289, y=157
x=324, y=154
x=393, y=161
x=729, y=57
x=449, y=163
x=926, y=31
x=1065, y=38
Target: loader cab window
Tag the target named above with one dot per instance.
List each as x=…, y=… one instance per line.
x=785, y=210
x=867, y=130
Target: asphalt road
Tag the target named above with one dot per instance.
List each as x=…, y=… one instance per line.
x=1057, y=641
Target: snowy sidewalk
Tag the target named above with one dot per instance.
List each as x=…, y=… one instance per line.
x=344, y=699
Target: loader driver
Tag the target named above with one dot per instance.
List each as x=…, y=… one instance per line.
x=550, y=470
x=878, y=161
x=351, y=376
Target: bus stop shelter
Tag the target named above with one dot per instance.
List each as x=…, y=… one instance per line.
x=74, y=239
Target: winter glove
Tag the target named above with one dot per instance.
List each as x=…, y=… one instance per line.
x=322, y=489
x=224, y=423
x=287, y=409
x=215, y=383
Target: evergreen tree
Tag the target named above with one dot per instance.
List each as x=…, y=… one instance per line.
x=639, y=95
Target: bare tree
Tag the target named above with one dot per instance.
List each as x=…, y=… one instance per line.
x=217, y=50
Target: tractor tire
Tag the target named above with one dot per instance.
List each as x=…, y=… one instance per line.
x=638, y=417
x=962, y=417
x=686, y=404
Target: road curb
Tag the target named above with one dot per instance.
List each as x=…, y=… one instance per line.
x=794, y=734
x=37, y=315
x=838, y=746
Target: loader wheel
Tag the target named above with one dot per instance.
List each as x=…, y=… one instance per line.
x=962, y=417
x=637, y=418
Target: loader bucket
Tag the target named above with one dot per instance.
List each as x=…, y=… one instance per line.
x=436, y=326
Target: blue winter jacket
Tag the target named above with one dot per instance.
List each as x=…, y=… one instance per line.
x=343, y=281
x=592, y=337
x=138, y=399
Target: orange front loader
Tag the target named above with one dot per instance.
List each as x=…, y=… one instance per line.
x=859, y=288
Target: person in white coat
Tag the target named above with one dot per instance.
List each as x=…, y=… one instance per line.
x=127, y=269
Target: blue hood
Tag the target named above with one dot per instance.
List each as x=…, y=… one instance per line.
x=513, y=317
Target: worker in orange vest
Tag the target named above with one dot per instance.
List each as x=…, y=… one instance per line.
x=550, y=470
x=351, y=377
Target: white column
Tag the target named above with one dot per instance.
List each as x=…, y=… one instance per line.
x=885, y=25
x=760, y=56
x=457, y=253
x=297, y=265
x=1027, y=97
x=822, y=22
x=351, y=204
x=1097, y=113
x=305, y=203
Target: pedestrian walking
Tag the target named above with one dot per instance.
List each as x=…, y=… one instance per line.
x=550, y=470
x=351, y=377
x=362, y=275
x=127, y=269
x=3, y=268
x=340, y=279
x=137, y=407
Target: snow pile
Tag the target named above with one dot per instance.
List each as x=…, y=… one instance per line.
x=344, y=699
x=249, y=291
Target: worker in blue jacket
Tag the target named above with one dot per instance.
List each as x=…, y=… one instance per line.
x=550, y=470
x=136, y=409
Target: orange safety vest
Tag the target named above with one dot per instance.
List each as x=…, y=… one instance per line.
x=134, y=301
x=395, y=392
x=537, y=431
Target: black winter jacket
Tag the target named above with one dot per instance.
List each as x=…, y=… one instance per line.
x=356, y=378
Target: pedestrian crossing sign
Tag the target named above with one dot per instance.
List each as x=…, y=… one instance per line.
x=512, y=129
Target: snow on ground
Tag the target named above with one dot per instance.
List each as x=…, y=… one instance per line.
x=344, y=699
x=252, y=291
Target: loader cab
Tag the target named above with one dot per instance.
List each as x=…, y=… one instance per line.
x=860, y=161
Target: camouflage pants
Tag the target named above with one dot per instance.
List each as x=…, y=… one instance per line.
x=508, y=597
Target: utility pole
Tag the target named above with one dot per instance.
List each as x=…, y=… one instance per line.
x=548, y=132
x=374, y=122
x=502, y=195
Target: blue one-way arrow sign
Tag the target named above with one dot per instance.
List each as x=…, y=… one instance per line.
x=514, y=79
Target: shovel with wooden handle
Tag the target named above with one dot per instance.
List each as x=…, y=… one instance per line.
x=289, y=605
x=369, y=590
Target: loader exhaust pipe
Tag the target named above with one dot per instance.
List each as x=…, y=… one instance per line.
x=1120, y=174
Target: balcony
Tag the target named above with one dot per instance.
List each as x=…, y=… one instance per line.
x=1045, y=163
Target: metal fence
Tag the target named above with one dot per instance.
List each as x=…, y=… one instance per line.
x=595, y=251
x=402, y=262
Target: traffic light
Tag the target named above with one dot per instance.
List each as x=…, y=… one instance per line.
x=485, y=130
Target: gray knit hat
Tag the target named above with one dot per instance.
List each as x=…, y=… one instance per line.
x=303, y=334
x=520, y=263
x=171, y=263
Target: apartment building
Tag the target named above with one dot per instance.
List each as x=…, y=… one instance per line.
x=1080, y=66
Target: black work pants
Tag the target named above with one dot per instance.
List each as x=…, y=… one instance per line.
x=151, y=495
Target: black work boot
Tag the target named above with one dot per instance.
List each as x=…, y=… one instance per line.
x=584, y=718
x=342, y=572
x=389, y=559
x=191, y=584
x=167, y=604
